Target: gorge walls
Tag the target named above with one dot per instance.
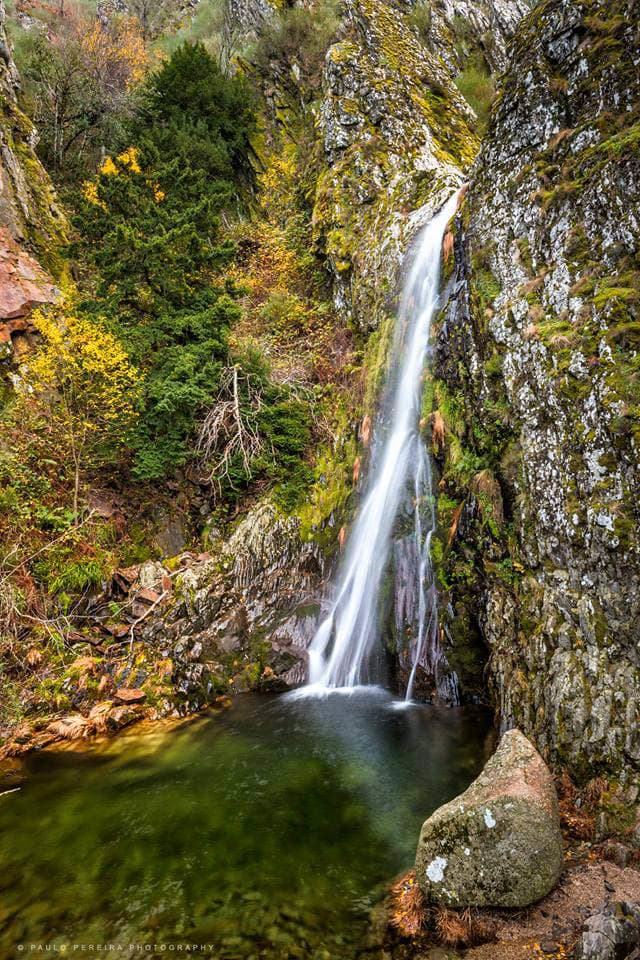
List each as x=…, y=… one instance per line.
x=537, y=367
x=32, y=225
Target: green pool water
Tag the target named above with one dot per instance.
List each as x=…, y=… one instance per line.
x=269, y=830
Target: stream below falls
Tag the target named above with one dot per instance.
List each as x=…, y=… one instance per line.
x=269, y=829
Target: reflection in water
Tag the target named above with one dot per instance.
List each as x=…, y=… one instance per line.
x=268, y=830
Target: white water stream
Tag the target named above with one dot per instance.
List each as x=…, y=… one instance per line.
x=342, y=651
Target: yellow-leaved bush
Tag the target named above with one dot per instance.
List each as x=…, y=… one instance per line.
x=80, y=393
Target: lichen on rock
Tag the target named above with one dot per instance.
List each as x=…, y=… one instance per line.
x=458, y=29
x=244, y=618
x=538, y=355
x=28, y=206
x=396, y=137
x=499, y=843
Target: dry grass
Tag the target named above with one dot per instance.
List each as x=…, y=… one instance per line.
x=463, y=928
x=560, y=341
x=411, y=917
x=487, y=489
x=531, y=285
x=596, y=789
x=447, y=246
x=99, y=717
x=73, y=727
x=559, y=137
x=577, y=823
x=408, y=911
x=455, y=520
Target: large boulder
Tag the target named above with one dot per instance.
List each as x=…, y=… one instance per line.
x=499, y=843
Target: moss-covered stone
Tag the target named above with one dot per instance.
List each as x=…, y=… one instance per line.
x=28, y=206
x=498, y=844
x=397, y=137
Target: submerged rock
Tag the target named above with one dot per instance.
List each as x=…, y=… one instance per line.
x=499, y=843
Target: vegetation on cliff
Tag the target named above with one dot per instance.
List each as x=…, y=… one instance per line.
x=195, y=345
x=538, y=391
x=240, y=207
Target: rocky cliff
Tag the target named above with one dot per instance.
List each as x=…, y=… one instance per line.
x=31, y=223
x=396, y=136
x=537, y=367
x=458, y=30
x=244, y=617
x=28, y=208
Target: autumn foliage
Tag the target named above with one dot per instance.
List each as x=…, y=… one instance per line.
x=79, y=395
x=286, y=303
x=80, y=77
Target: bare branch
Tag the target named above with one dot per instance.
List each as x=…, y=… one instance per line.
x=230, y=428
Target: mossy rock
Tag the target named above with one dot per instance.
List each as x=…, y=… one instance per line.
x=499, y=843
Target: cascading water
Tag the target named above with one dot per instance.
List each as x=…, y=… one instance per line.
x=340, y=656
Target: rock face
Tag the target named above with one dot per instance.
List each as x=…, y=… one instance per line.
x=458, y=29
x=243, y=18
x=537, y=366
x=167, y=13
x=28, y=209
x=499, y=843
x=396, y=136
x=612, y=933
x=249, y=613
x=23, y=286
x=30, y=220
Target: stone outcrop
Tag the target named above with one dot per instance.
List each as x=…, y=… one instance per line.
x=23, y=286
x=396, y=136
x=244, y=18
x=251, y=608
x=611, y=933
x=190, y=631
x=160, y=15
x=31, y=224
x=537, y=366
x=28, y=208
x=498, y=844
x=458, y=29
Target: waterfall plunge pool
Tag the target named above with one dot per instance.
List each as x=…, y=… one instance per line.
x=267, y=830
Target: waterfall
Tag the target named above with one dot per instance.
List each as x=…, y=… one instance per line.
x=343, y=648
